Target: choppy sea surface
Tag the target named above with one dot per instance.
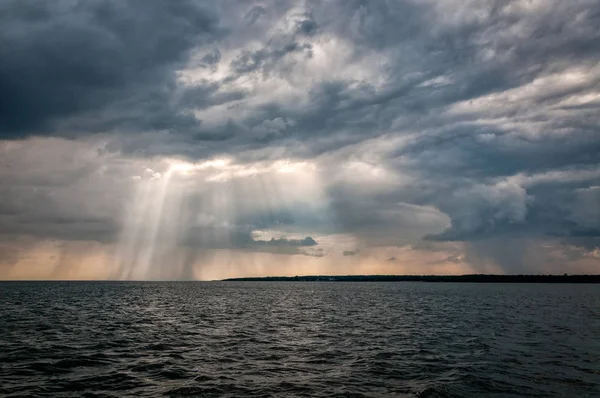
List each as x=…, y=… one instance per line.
x=118, y=339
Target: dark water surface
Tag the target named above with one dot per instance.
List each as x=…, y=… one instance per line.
x=299, y=339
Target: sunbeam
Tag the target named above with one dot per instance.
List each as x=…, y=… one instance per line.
x=180, y=214
x=151, y=226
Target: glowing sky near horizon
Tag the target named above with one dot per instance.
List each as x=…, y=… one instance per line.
x=205, y=140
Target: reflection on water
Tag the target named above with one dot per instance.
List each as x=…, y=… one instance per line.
x=299, y=339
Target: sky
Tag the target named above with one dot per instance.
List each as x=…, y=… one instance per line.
x=201, y=140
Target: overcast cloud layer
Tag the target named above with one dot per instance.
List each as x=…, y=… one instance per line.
x=195, y=140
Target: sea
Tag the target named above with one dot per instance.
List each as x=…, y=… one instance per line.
x=299, y=339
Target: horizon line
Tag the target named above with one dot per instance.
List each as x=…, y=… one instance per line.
x=330, y=277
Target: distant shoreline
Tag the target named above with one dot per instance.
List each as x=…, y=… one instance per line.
x=476, y=278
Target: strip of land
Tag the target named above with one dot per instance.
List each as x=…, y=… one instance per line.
x=477, y=278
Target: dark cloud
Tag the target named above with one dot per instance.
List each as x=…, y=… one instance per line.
x=240, y=236
x=308, y=241
x=96, y=65
x=443, y=121
x=212, y=57
x=306, y=26
x=254, y=13
x=265, y=59
x=303, y=246
x=208, y=94
x=350, y=252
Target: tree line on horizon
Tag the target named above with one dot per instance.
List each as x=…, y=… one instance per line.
x=483, y=278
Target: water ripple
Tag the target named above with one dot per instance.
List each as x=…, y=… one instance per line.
x=299, y=339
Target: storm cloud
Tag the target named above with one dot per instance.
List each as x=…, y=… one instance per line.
x=439, y=134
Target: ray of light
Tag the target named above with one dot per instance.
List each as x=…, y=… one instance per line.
x=151, y=227
x=191, y=208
